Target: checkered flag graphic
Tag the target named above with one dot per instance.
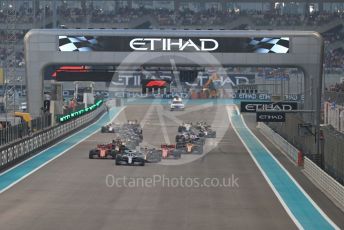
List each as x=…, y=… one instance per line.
x=78, y=44
x=270, y=45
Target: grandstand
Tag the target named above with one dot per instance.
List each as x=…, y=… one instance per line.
x=324, y=17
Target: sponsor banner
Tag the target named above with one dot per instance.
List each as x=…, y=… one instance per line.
x=73, y=115
x=270, y=117
x=252, y=96
x=103, y=76
x=254, y=106
x=84, y=43
x=128, y=94
x=134, y=79
x=294, y=97
x=122, y=94
x=223, y=80
x=102, y=73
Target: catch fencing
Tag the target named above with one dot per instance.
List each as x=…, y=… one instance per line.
x=14, y=152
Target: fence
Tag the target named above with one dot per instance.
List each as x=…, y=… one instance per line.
x=15, y=132
x=326, y=183
x=12, y=153
x=289, y=150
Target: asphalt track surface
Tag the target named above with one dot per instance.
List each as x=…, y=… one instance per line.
x=71, y=192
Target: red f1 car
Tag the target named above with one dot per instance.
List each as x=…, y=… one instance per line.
x=170, y=152
x=104, y=151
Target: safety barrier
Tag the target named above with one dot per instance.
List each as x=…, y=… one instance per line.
x=11, y=154
x=287, y=149
x=332, y=189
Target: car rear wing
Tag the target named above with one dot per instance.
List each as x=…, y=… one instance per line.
x=168, y=146
x=104, y=145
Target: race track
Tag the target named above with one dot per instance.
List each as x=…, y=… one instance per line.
x=73, y=192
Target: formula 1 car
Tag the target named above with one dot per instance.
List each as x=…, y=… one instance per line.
x=133, y=124
x=109, y=128
x=151, y=155
x=130, y=157
x=190, y=148
x=108, y=150
x=133, y=128
x=170, y=152
x=205, y=130
x=103, y=151
x=186, y=137
x=185, y=127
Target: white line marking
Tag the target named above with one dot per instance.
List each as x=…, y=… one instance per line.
x=47, y=162
x=148, y=113
x=159, y=111
x=172, y=117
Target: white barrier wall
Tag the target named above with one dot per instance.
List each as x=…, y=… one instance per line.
x=332, y=189
x=289, y=150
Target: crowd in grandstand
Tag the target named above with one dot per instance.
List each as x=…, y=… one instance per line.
x=334, y=58
x=338, y=87
x=17, y=60
x=186, y=17
x=165, y=17
x=171, y=17
x=275, y=19
x=18, y=34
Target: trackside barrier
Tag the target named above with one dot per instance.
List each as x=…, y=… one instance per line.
x=287, y=149
x=333, y=190
x=11, y=154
